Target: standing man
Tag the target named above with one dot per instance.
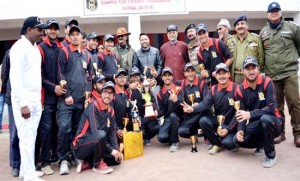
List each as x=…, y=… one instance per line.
x=92, y=43
x=25, y=76
x=242, y=45
x=123, y=49
x=281, y=41
x=69, y=23
x=174, y=53
x=193, y=45
x=223, y=29
x=211, y=53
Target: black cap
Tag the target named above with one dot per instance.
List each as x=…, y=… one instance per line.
x=109, y=84
x=120, y=71
x=240, y=18
x=71, y=21
x=202, y=27
x=134, y=71
x=188, y=65
x=190, y=26
x=222, y=66
x=91, y=36
x=53, y=21
x=273, y=5
x=172, y=28
x=33, y=22
x=167, y=69
x=250, y=60
x=73, y=28
x=98, y=78
x=108, y=37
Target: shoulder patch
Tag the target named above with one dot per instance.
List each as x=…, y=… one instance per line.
x=254, y=34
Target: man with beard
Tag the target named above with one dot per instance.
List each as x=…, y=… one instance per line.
x=259, y=121
x=98, y=82
x=74, y=67
x=123, y=49
x=169, y=99
x=96, y=143
x=107, y=60
x=223, y=29
x=174, y=54
x=211, y=53
x=69, y=23
x=193, y=45
x=26, y=85
x=222, y=97
x=48, y=129
x=92, y=43
x=244, y=44
x=281, y=41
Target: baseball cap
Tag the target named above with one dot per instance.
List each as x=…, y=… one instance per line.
x=167, y=69
x=73, y=28
x=188, y=65
x=98, y=78
x=71, y=21
x=91, y=36
x=273, y=5
x=190, y=26
x=120, y=71
x=33, y=22
x=109, y=84
x=108, y=37
x=172, y=28
x=202, y=27
x=222, y=66
x=122, y=31
x=249, y=60
x=53, y=21
x=224, y=22
x=134, y=70
x=240, y=18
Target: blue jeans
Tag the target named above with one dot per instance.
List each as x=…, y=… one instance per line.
x=2, y=97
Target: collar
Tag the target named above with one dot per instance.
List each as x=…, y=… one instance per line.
x=103, y=107
x=47, y=41
x=164, y=89
x=88, y=48
x=210, y=43
x=229, y=86
x=173, y=43
x=127, y=46
x=195, y=82
x=73, y=49
x=193, y=43
x=106, y=52
x=119, y=90
x=96, y=94
x=25, y=39
x=67, y=39
x=258, y=81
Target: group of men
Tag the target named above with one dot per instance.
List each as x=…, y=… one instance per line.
x=75, y=110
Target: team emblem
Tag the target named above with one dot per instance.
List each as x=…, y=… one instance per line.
x=214, y=54
x=197, y=94
x=84, y=64
x=261, y=96
x=91, y=5
x=231, y=101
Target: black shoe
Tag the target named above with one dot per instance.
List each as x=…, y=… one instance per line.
x=38, y=167
x=15, y=172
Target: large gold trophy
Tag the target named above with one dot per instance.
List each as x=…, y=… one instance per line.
x=149, y=111
x=221, y=120
x=87, y=96
x=193, y=141
x=125, y=122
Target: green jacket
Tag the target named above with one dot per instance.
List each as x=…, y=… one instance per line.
x=282, y=49
x=250, y=46
x=125, y=56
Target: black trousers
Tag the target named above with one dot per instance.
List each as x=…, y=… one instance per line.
x=168, y=131
x=262, y=133
x=91, y=147
x=48, y=134
x=150, y=127
x=189, y=126
x=68, y=118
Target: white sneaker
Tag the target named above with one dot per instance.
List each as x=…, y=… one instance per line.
x=174, y=147
x=269, y=162
x=64, y=168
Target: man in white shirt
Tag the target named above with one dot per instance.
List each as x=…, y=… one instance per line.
x=26, y=83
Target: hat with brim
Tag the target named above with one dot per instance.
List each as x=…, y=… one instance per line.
x=71, y=21
x=109, y=84
x=240, y=18
x=122, y=31
x=53, y=22
x=190, y=26
x=249, y=61
x=273, y=5
x=172, y=28
x=99, y=78
x=167, y=69
x=33, y=22
x=109, y=37
x=121, y=71
x=92, y=35
x=222, y=66
x=74, y=28
x=202, y=27
x=189, y=65
x=134, y=71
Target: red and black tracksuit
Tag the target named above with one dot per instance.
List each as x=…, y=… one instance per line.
x=96, y=134
x=190, y=124
x=265, y=123
x=108, y=61
x=223, y=101
x=94, y=59
x=48, y=127
x=150, y=126
x=66, y=42
x=74, y=67
x=172, y=111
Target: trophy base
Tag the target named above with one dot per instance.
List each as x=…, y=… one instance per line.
x=194, y=149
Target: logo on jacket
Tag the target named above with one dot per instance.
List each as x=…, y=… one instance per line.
x=261, y=96
x=230, y=101
x=197, y=94
x=214, y=54
x=91, y=5
x=108, y=122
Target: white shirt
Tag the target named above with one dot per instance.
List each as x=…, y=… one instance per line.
x=25, y=73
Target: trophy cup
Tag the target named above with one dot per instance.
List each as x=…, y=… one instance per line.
x=191, y=98
x=63, y=84
x=95, y=66
x=201, y=67
x=194, y=147
x=134, y=114
x=125, y=122
x=87, y=96
x=121, y=147
x=221, y=120
x=237, y=107
x=149, y=111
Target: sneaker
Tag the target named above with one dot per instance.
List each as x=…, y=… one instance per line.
x=64, y=168
x=147, y=142
x=82, y=165
x=15, y=172
x=258, y=151
x=174, y=147
x=39, y=174
x=214, y=150
x=269, y=162
x=47, y=170
x=200, y=133
x=207, y=144
x=103, y=168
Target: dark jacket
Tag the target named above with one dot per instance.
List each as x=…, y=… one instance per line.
x=6, y=88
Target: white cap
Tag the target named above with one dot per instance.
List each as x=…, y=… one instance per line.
x=224, y=22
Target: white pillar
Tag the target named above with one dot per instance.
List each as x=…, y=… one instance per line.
x=134, y=27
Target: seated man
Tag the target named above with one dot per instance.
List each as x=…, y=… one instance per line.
x=96, y=141
x=258, y=108
x=222, y=97
x=169, y=99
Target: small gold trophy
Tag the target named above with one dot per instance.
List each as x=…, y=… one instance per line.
x=201, y=67
x=194, y=147
x=221, y=120
x=191, y=97
x=237, y=105
x=149, y=111
x=63, y=83
x=87, y=96
x=121, y=147
x=125, y=122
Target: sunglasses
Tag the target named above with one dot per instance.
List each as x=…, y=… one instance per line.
x=219, y=29
x=120, y=36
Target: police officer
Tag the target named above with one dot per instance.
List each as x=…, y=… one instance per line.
x=281, y=41
x=244, y=44
x=193, y=45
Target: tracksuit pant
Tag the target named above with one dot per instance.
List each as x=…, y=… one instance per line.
x=189, y=126
x=150, y=127
x=168, y=131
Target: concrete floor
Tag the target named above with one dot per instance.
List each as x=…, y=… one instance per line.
x=159, y=164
